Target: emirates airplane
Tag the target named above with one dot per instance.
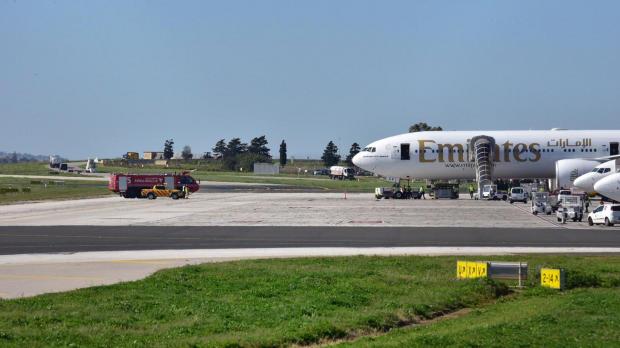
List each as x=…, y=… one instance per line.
x=563, y=155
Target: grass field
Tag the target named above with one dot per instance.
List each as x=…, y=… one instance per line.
x=29, y=168
x=36, y=190
x=360, y=184
x=318, y=300
x=578, y=318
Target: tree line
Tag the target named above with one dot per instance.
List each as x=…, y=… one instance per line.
x=237, y=154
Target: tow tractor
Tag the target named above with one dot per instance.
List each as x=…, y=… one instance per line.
x=162, y=191
x=397, y=191
x=570, y=207
x=541, y=203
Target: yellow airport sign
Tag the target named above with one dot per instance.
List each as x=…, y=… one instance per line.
x=552, y=278
x=470, y=270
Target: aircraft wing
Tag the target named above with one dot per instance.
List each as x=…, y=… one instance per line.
x=607, y=158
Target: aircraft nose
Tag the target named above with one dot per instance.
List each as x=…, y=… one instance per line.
x=357, y=160
x=608, y=185
x=584, y=182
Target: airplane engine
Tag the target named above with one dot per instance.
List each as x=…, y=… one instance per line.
x=567, y=170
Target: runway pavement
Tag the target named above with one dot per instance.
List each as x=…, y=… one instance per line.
x=60, y=239
x=64, y=245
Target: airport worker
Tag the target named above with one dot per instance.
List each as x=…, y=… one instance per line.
x=422, y=192
x=471, y=191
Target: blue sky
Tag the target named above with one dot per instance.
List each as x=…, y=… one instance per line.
x=99, y=78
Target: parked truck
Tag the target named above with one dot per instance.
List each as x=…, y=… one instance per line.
x=339, y=172
x=55, y=161
x=131, y=185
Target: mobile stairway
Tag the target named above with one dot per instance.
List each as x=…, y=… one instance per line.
x=482, y=152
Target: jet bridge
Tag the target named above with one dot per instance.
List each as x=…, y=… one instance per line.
x=482, y=152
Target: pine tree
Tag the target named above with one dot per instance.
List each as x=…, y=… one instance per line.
x=330, y=154
x=187, y=152
x=220, y=147
x=235, y=147
x=258, y=146
x=355, y=149
x=168, y=149
x=283, y=159
x=422, y=127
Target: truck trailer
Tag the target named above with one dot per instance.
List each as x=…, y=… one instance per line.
x=339, y=172
x=131, y=185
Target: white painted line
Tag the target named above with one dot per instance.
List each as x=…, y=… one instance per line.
x=227, y=254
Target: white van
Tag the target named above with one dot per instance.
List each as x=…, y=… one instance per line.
x=518, y=194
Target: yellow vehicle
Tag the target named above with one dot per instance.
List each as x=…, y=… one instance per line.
x=162, y=191
x=132, y=156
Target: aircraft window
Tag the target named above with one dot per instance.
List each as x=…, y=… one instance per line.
x=594, y=170
x=594, y=150
x=607, y=170
x=374, y=149
x=601, y=170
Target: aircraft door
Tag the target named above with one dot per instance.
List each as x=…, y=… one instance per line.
x=613, y=149
x=405, y=155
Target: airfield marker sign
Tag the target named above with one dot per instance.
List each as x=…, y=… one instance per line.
x=552, y=278
x=471, y=270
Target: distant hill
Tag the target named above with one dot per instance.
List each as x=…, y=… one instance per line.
x=15, y=157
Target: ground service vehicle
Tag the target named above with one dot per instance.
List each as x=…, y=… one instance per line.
x=570, y=207
x=339, y=172
x=608, y=214
x=517, y=194
x=162, y=191
x=445, y=190
x=490, y=192
x=541, y=203
x=131, y=185
x=397, y=193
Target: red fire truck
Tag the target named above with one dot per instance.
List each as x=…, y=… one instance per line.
x=130, y=185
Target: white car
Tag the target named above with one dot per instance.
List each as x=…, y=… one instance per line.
x=518, y=194
x=608, y=214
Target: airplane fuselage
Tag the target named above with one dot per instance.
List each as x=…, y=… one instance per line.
x=517, y=154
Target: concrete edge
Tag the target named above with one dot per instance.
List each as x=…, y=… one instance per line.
x=256, y=253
